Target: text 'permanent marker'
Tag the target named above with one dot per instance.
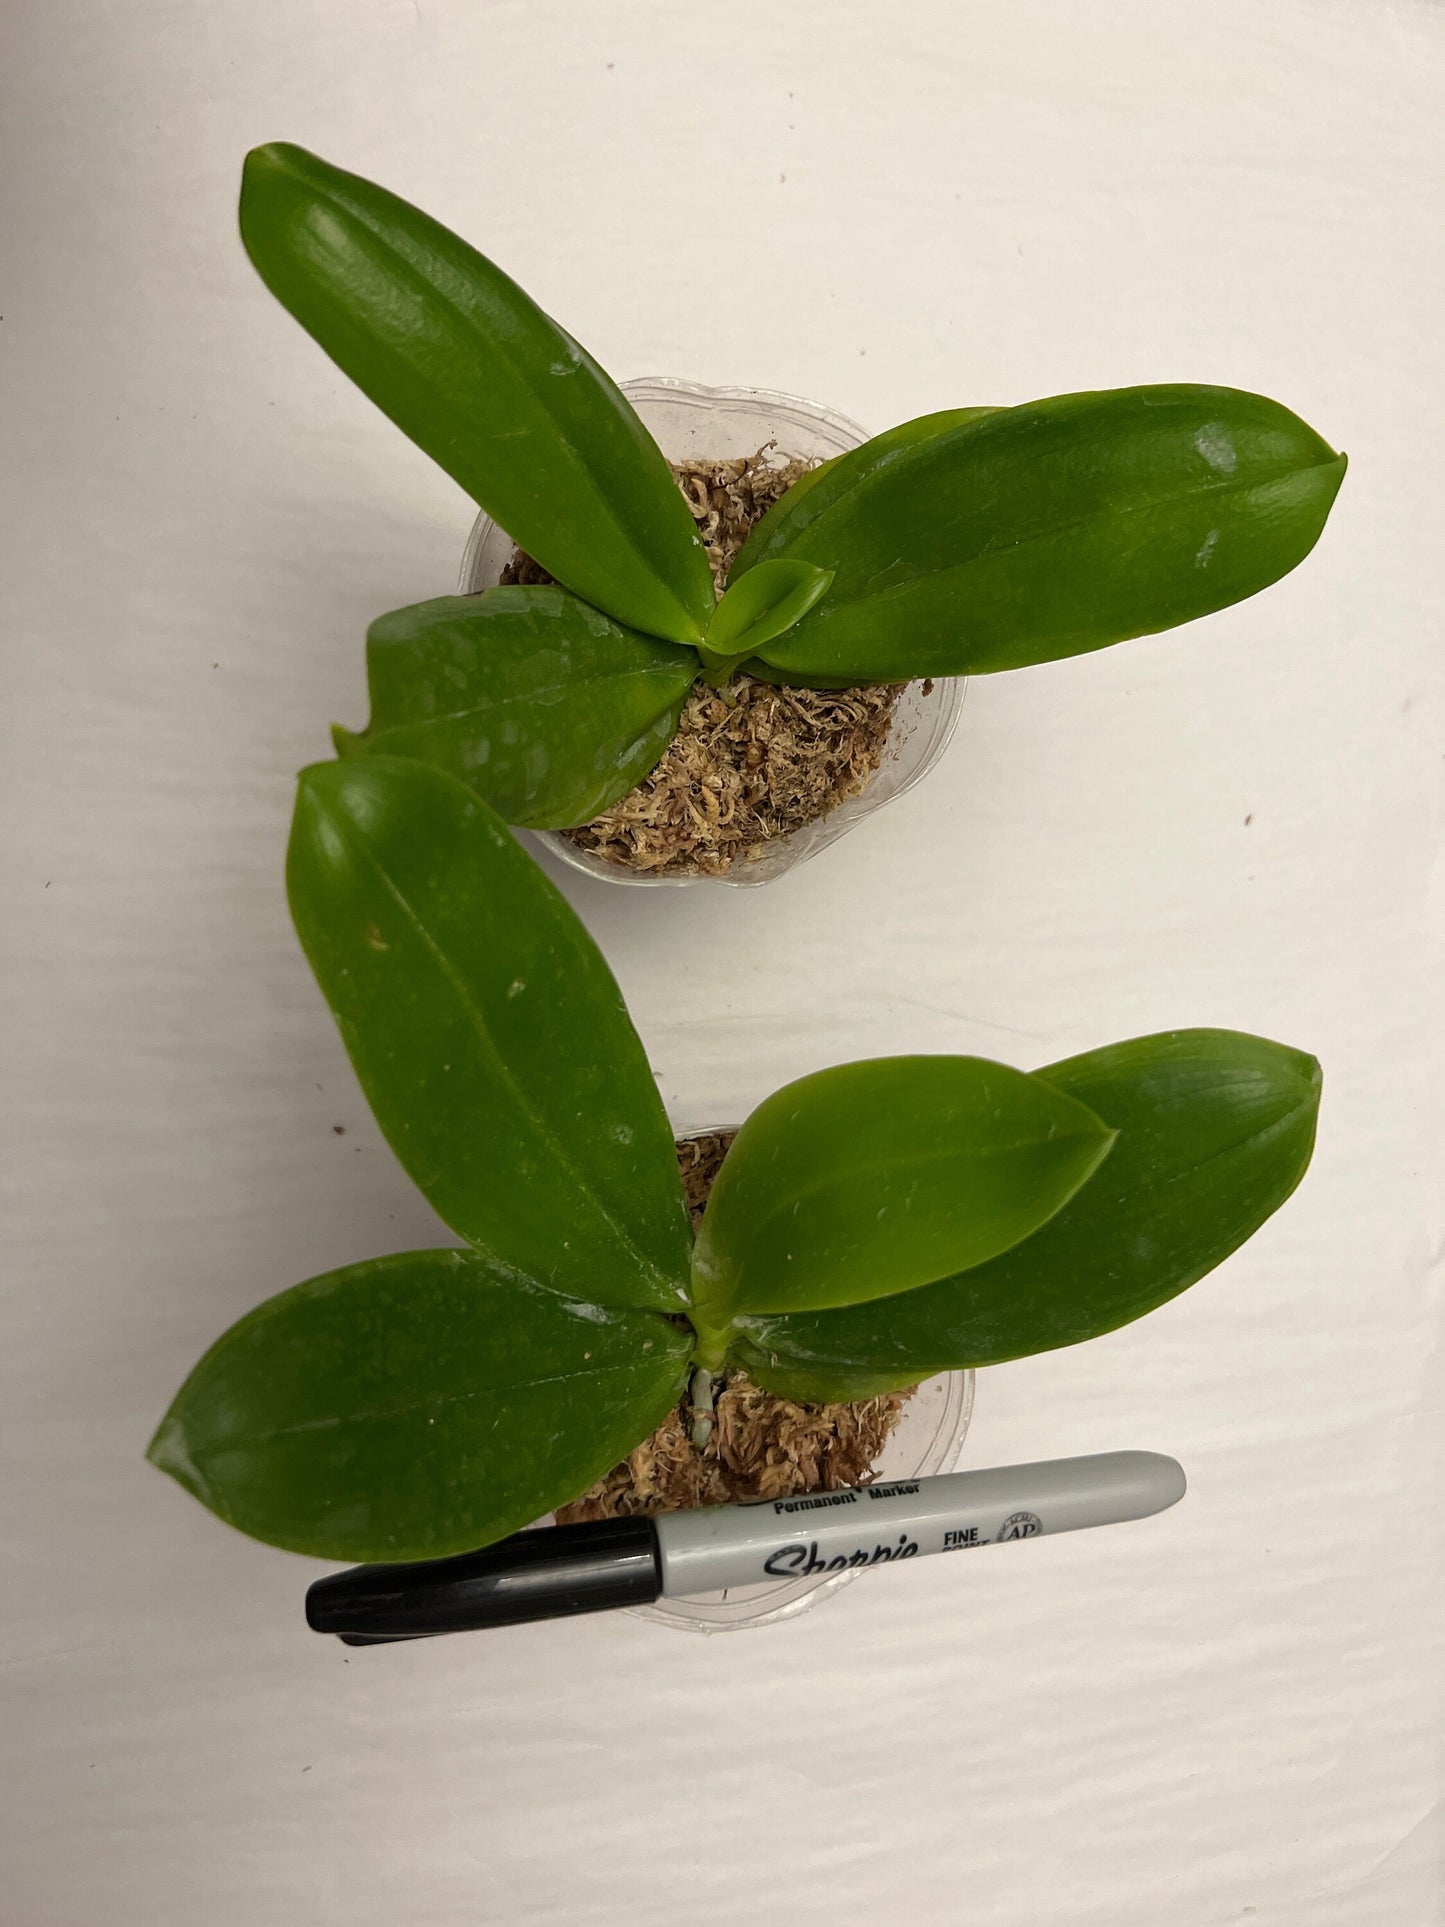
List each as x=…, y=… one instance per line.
x=554, y=1571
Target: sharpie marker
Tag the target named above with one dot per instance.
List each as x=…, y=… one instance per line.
x=554, y=1571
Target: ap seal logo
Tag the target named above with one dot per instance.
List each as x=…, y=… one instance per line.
x=1021, y=1525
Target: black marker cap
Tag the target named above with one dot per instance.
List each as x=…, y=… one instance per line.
x=547, y=1573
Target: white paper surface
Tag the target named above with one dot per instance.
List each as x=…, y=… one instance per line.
x=1228, y=1714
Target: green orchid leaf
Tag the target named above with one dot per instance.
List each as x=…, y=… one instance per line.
x=1049, y=530
x=491, y=388
x=548, y=709
x=767, y=601
x=773, y=533
x=415, y=1406
x=867, y=1180
x=1215, y=1131
x=488, y=1034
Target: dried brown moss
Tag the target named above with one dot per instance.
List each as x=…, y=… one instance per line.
x=762, y=1446
x=699, y=1159
x=726, y=498
x=745, y=767
x=755, y=762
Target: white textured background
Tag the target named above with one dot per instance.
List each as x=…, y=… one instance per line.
x=1230, y=1715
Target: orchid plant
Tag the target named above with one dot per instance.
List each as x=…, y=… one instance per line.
x=871, y=1224
x=964, y=542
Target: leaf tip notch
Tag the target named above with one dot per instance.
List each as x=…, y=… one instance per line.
x=265, y=170
x=1306, y=1074
x=272, y=156
x=168, y=1452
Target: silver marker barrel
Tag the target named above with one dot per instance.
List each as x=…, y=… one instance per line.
x=554, y=1572
x=873, y=1525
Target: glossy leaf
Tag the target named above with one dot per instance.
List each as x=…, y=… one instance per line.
x=544, y=706
x=415, y=1406
x=772, y=534
x=762, y=606
x=867, y=1180
x=1215, y=1131
x=489, y=1036
x=1052, y=529
x=491, y=388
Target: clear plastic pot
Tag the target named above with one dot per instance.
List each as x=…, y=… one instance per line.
x=691, y=422
x=927, y=1439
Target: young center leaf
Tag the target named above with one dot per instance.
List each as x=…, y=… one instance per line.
x=544, y=706
x=762, y=606
x=867, y=1180
x=488, y=1034
x=1215, y=1131
x=415, y=1406
x=1049, y=530
x=480, y=378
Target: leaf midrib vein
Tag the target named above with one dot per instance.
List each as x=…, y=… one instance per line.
x=527, y=697
x=502, y=349
x=886, y=1161
x=477, y=1018
x=435, y=1402
x=836, y=600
